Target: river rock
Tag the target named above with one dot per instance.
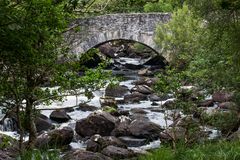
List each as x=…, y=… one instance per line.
x=135, y=97
x=43, y=123
x=167, y=135
x=146, y=81
x=133, y=141
x=133, y=66
x=169, y=105
x=6, y=155
x=96, y=123
x=222, y=96
x=60, y=116
x=138, y=111
x=156, y=61
x=108, y=50
x=86, y=107
x=144, y=89
x=154, y=97
x=108, y=101
x=206, y=103
x=55, y=138
x=96, y=143
x=84, y=155
x=117, y=152
x=228, y=105
x=138, y=116
x=144, y=129
x=145, y=72
x=235, y=136
x=121, y=129
x=116, y=91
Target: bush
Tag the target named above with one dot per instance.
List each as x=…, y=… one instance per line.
x=221, y=150
x=36, y=154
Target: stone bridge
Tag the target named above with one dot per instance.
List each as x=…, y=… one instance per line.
x=85, y=34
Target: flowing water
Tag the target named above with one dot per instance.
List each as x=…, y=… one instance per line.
x=70, y=101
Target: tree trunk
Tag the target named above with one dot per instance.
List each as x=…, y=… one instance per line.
x=30, y=122
x=21, y=132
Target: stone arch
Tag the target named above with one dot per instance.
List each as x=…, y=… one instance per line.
x=139, y=27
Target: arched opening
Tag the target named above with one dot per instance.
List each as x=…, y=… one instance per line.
x=126, y=54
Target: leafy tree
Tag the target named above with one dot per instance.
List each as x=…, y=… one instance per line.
x=31, y=47
x=160, y=6
x=180, y=37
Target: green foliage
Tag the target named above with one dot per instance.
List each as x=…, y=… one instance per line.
x=160, y=6
x=223, y=121
x=40, y=155
x=180, y=37
x=6, y=141
x=209, y=151
x=203, y=41
x=110, y=109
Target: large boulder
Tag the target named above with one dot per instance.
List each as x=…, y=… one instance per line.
x=96, y=123
x=121, y=128
x=84, y=155
x=43, y=123
x=222, y=96
x=117, y=152
x=144, y=129
x=135, y=97
x=116, y=91
x=55, y=138
x=96, y=143
x=144, y=89
x=60, y=116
